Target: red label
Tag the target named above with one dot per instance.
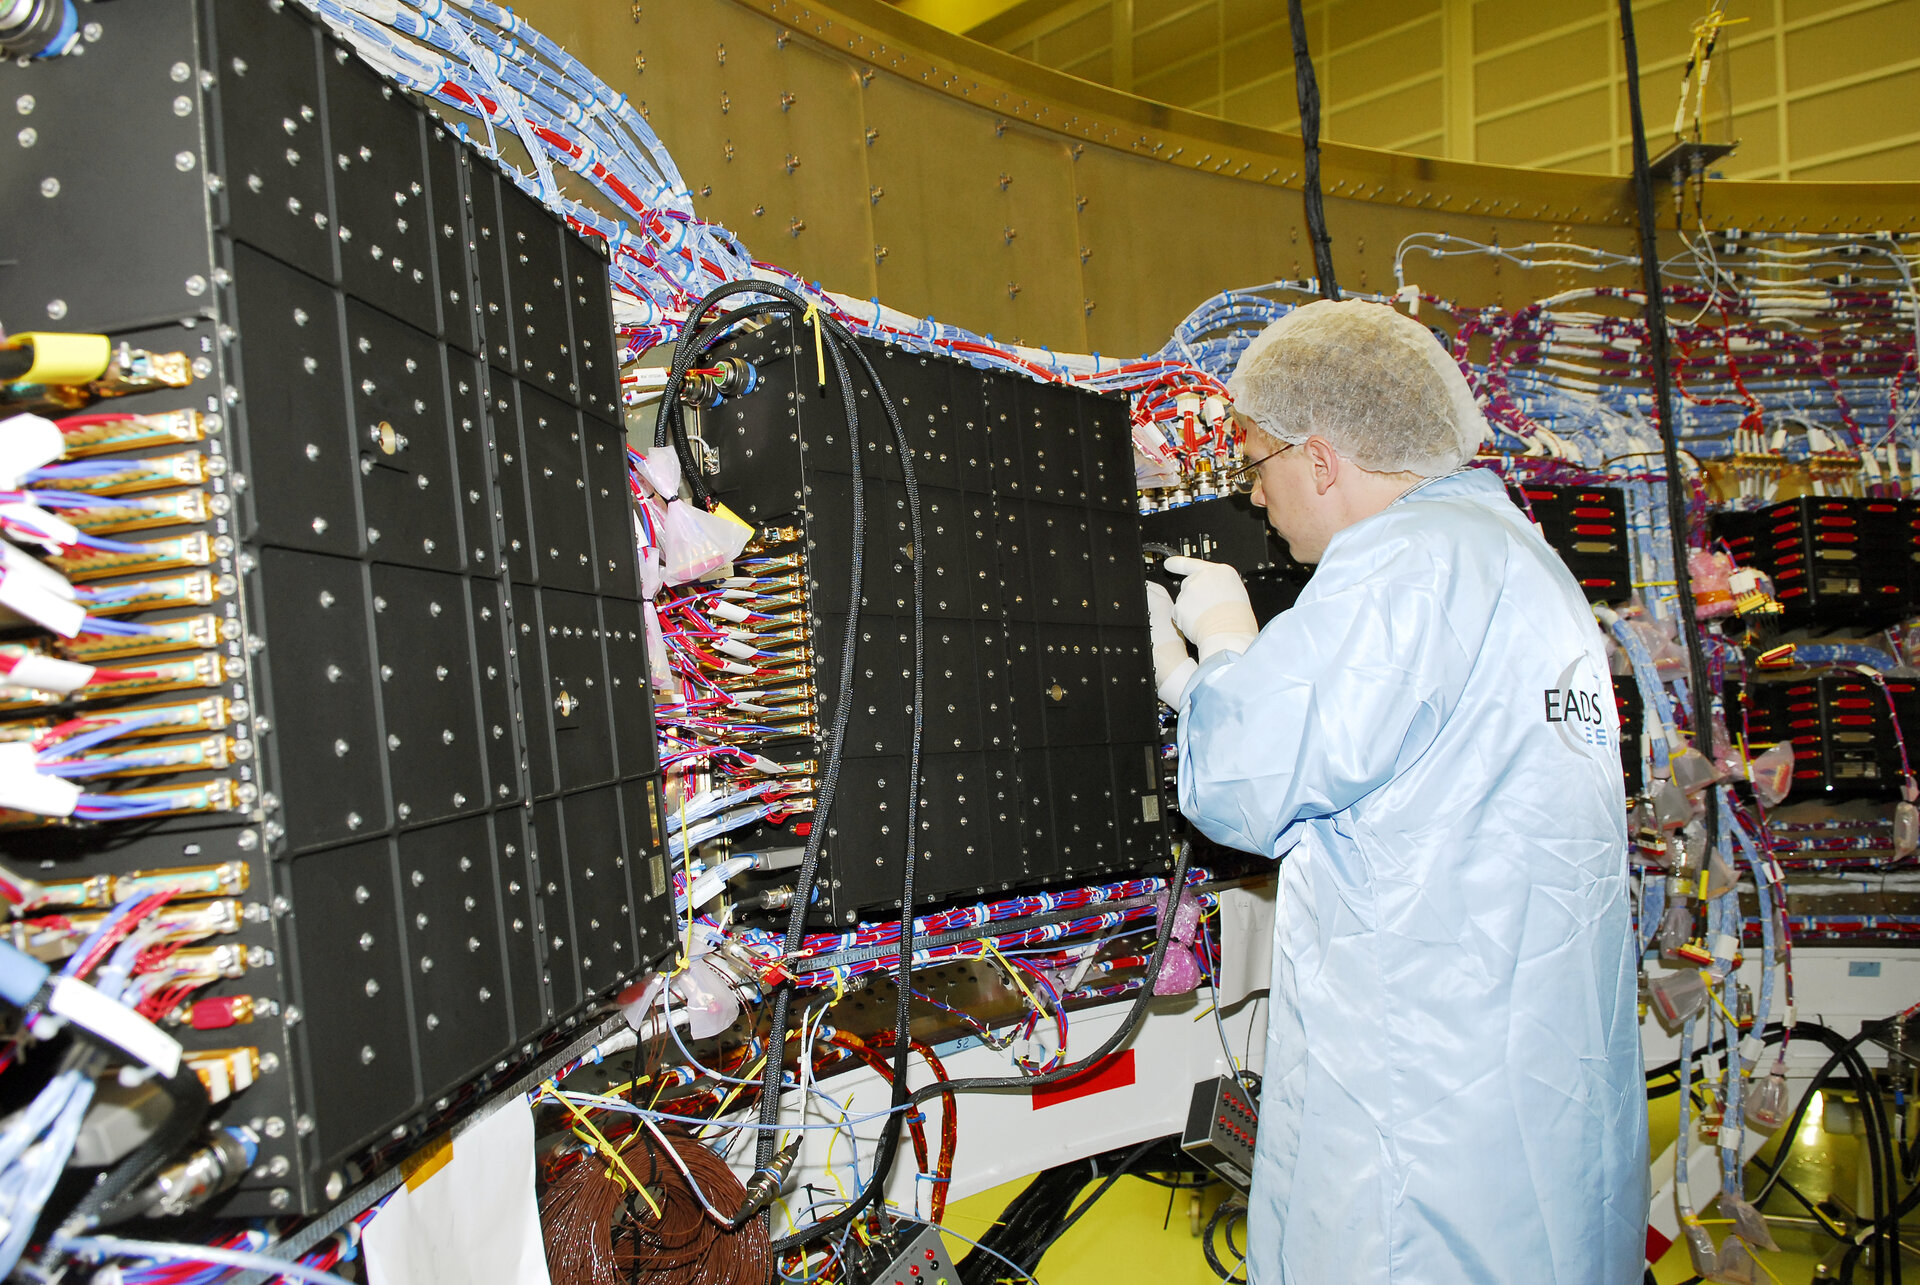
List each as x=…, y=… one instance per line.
x=1114, y=1073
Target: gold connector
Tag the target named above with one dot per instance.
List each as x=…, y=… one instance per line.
x=56, y=937
x=195, y=589
x=177, y=508
x=146, y=473
x=228, y=879
x=166, y=429
x=195, y=550
x=206, y=670
x=224, y=1072
x=204, y=754
x=189, y=633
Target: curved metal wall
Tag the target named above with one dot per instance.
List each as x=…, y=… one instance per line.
x=884, y=157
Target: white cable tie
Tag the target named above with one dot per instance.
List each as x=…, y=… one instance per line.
x=115, y=1023
x=49, y=674
x=27, y=442
x=25, y=788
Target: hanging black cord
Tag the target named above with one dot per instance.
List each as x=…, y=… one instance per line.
x=1306, y=88
x=686, y=351
x=837, y=342
x=1113, y=1041
x=1659, y=353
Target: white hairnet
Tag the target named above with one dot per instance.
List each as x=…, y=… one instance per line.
x=1375, y=384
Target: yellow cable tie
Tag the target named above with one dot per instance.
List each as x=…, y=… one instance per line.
x=819, y=349
x=602, y=1145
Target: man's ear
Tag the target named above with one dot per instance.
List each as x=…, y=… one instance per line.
x=1324, y=461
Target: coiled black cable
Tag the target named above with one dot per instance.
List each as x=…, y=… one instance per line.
x=1225, y=1213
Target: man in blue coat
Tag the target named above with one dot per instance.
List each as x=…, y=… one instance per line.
x=1428, y=739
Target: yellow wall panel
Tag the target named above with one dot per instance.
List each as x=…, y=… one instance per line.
x=1411, y=50
x=1272, y=103
x=1098, y=68
x=1824, y=118
x=1151, y=13
x=1500, y=23
x=1260, y=55
x=1184, y=86
x=1759, y=152
x=1552, y=130
x=1539, y=70
x=1191, y=34
x=1351, y=22
x=1388, y=119
x=1848, y=44
x=1176, y=205
x=1077, y=39
x=1498, y=55
x=1244, y=15
x=1865, y=167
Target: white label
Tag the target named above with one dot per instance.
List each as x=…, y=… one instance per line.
x=1751, y=1048
x=43, y=528
x=26, y=443
x=25, y=789
x=114, y=1022
x=1725, y=945
x=38, y=592
x=49, y=673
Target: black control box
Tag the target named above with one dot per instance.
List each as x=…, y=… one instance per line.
x=1222, y=1123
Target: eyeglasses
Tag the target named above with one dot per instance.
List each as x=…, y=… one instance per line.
x=1242, y=479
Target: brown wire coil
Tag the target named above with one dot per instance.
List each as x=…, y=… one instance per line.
x=598, y=1233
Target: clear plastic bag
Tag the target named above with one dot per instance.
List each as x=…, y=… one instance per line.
x=693, y=542
x=658, y=661
x=1765, y=1101
x=1906, y=829
x=1734, y=1265
x=1772, y=774
x=1692, y=771
x=1749, y=1224
x=1676, y=928
x=1677, y=995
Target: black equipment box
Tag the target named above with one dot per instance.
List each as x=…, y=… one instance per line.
x=1633, y=722
x=1041, y=742
x=1222, y=1123
x=1844, y=735
x=1587, y=527
x=426, y=662
x=1832, y=560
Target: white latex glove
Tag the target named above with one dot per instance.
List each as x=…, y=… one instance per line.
x=1212, y=609
x=1172, y=666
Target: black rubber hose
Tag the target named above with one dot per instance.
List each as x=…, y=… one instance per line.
x=1659, y=354
x=1226, y=1211
x=1306, y=91
x=1127, y=1162
x=185, y=1121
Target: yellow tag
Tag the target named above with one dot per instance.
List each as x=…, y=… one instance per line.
x=65, y=359
x=819, y=348
x=427, y=1161
x=722, y=511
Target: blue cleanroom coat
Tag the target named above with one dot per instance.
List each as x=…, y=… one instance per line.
x=1453, y=1087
